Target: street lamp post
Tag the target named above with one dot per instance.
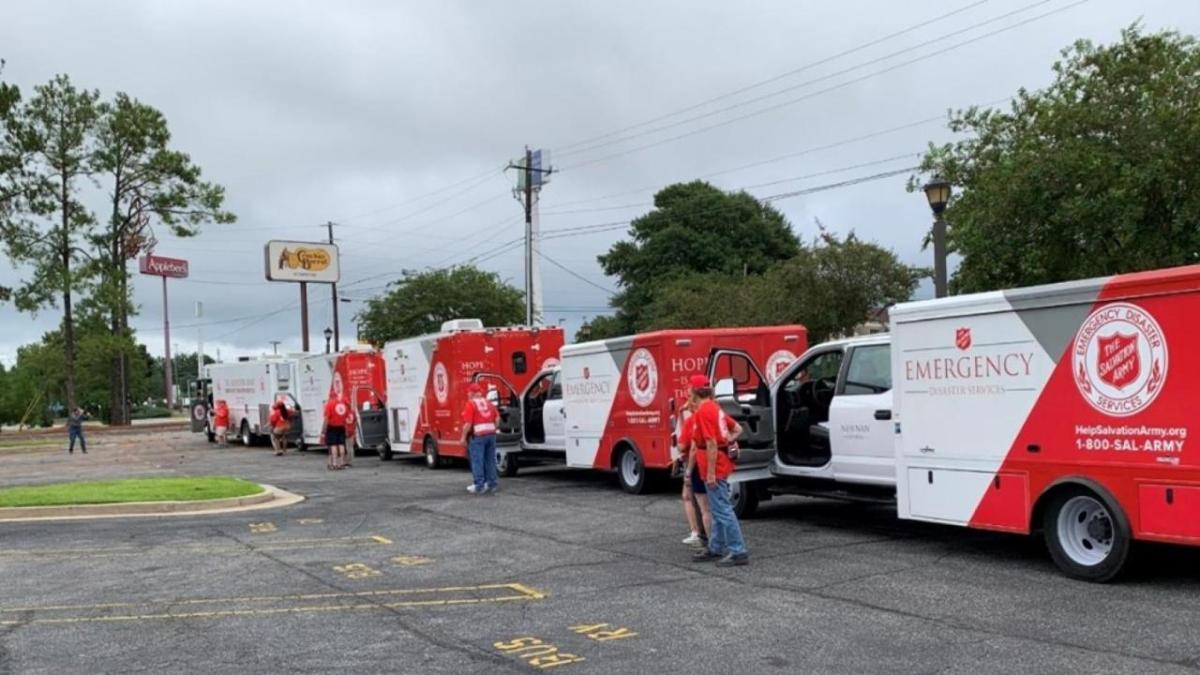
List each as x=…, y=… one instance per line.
x=328, y=337
x=937, y=191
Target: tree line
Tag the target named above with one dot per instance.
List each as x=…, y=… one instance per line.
x=84, y=182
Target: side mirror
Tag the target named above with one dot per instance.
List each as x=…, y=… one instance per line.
x=493, y=396
x=724, y=388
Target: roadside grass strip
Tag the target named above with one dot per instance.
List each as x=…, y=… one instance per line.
x=268, y=605
x=30, y=443
x=175, y=489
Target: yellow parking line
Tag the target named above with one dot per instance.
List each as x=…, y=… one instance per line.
x=265, y=545
x=522, y=593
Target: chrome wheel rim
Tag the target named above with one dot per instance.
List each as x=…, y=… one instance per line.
x=630, y=471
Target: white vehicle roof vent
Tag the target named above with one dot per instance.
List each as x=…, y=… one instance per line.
x=462, y=324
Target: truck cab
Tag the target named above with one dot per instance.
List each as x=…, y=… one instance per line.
x=825, y=420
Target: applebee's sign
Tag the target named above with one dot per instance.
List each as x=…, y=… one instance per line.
x=163, y=267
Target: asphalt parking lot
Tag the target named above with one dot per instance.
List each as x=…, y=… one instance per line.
x=391, y=567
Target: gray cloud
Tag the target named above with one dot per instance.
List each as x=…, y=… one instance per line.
x=309, y=112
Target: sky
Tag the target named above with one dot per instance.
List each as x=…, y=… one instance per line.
x=395, y=122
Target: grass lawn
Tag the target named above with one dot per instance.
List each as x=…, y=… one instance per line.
x=134, y=490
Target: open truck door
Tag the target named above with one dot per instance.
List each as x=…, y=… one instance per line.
x=744, y=393
x=509, y=423
x=200, y=395
x=372, y=428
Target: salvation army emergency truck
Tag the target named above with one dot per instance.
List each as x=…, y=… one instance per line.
x=428, y=376
x=1064, y=409
x=249, y=388
x=614, y=404
x=358, y=372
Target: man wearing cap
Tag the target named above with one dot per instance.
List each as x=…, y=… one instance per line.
x=479, y=430
x=725, y=543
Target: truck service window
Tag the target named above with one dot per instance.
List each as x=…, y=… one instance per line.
x=518, y=363
x=870, y=371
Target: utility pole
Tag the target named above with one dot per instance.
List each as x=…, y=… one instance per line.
x=304, y=315
x=199, y=341
x=170, y=390
x=534, y=171
x=333, y=288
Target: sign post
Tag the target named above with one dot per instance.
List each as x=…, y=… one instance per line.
x=175, y=268
x=302, y=262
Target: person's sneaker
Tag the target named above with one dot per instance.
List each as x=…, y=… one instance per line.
x=693, y=539
x=492, y=489
x=476, y=491
x=705, y=556
x=732, y=560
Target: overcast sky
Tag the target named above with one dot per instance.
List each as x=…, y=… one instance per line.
x=356, y=112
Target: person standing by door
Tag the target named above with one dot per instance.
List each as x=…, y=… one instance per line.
x=281, y=421
x=221, y=422
x=712, y=439
x=479, y=431
x=75, y=430
x=333, y=433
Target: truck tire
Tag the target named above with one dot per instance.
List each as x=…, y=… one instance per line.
x=247, y=437
x=631, y=470
x=507, y=463
x=210, y=434
x=1087, y=534
x=433, y=459
x=385, y=451
x=744, y=498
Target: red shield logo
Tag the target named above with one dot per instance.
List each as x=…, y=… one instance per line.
x=962, y=338
x=642, y=377
x=1117, y=360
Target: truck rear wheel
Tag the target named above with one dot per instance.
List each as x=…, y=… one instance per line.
x=631, y=470
x=433, y=460
x=506, y=463
x=210, y=434
x=1087, y=535
x=247, y=437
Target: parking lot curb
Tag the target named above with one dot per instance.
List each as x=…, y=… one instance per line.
x=271, y=497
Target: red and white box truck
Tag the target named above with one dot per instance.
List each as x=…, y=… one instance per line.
x=1066, y=409
x=358, y=372
x=613, y=404
x=428, y=377
x=249, y=388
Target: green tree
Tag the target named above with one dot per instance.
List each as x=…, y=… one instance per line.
x=693, y=228
x=10, y=164
x=420, y=302
x=148, y=182
x=1097, y=174
x=53, y=134
x=829, y=287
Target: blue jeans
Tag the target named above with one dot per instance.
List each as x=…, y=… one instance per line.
x=726, y=536
x=74, y=434
x=483, y=461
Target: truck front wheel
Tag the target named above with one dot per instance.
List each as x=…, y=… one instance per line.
x=743, y=496
x=1087, y=535
x=631, y=470
x=506, y=463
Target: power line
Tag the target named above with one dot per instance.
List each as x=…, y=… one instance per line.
x=567, y=148
x=444, y=188
x=826, y=90
x=572, y=272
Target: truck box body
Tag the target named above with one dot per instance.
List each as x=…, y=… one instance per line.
x=250, y=387
x=1003, y=396
x=625, y=393
x=359, y=372
x=428, y=376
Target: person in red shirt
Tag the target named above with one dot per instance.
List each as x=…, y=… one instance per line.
x=281, y=421
x=479, y=435
x=712, y=438
x=221, y=422
x=695, y=497
x=338, y=415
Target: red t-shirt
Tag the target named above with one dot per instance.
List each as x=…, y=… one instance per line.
x=221, y=417
x=712, y=424
x=337, y=412
x=481, y=415
x=686, y=432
